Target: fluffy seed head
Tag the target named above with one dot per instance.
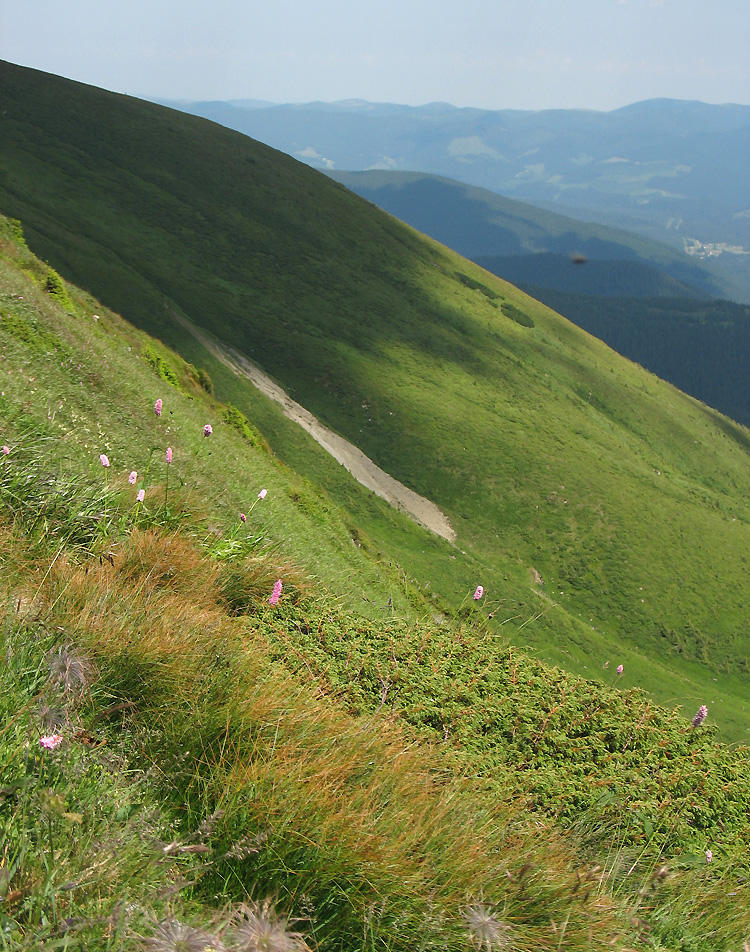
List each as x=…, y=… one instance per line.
x=68, y=669
x=259, y=928
x=485, y=929
x=175, y=936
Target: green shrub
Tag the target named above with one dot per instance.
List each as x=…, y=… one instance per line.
x=477, y=286
x=236, y=418
x=162, y=367
x=517, y=315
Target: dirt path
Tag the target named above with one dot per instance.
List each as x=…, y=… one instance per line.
x=361, y=467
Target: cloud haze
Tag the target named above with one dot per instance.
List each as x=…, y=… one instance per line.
x=490, y=53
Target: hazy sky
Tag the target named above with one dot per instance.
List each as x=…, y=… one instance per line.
x=520, y=54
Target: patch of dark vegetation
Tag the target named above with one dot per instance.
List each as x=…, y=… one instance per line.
x=517, y=315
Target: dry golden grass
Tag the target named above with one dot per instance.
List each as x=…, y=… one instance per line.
x=312, y=801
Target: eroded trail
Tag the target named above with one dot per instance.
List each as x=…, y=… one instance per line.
x=361, y=467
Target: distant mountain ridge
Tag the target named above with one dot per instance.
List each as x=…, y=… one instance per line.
x=670, y=169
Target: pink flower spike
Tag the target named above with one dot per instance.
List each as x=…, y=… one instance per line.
x=276, y=594
x=6, y=450
x=50, y=742
x=262, y=494
x=478, y=594
x=157, y=408
x=701, y=715
x=620, y=669
x=141, y=495
x=709, y=856
x=132, y=478
x=243, y=517
x=207, y=431
x=104, y=461
x=169, y=454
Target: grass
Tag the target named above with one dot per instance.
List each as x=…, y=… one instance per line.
x=554, y=459
x=341, y=779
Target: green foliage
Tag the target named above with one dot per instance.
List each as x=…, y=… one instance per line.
x=12, y=229
x=54, y=285
x=30, y=331
x=586, y=749
x=161, y=366
x=237, y=419
x=204, y=381
x=475, y=285
x=517, y=315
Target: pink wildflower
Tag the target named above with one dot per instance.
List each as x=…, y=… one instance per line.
x=243, y=517
x=262, y=494
x=478, y=594
x=6, y=450
x=700, y=716
x=157, y=408
x=169, y=454
x=104, y=460
x=50, y=742
x=620, y=669
x=207, y=431
x=709, y=856
x=132, y=478
x=276, y=594
x=141, y=495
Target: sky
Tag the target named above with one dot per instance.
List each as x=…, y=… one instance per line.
x=492, y=54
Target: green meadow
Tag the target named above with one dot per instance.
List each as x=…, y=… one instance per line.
x=188, y=763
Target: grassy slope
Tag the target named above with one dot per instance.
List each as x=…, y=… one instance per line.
x=216, y=749
x=482, y=224
x=547, y=451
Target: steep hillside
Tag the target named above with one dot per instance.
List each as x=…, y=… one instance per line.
x=701, y=349
x=480, y=224
x=597, y=505
x=204, y=748
x=669, y=169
